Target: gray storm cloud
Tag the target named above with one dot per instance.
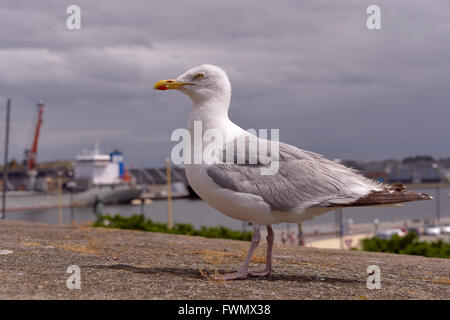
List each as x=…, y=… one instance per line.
x=310, y=68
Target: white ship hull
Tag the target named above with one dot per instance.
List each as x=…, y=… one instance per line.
x=33, y=200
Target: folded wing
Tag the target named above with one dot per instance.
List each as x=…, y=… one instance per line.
x=305, y=179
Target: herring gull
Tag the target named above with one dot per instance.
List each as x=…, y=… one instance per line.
x=305, y=184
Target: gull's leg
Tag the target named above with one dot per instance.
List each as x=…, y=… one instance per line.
x=243, y=271
x=268, y=270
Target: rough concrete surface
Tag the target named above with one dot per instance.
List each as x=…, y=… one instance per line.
x=125, y=264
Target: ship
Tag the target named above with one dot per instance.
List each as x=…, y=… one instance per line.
x=95, y=178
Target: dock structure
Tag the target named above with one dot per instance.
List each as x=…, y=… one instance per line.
x=157, y=176
x=155, y=182
x=17, y=179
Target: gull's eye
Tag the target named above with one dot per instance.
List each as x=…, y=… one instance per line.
x=198, y=76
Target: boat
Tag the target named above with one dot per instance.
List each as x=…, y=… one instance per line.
x=96, y=178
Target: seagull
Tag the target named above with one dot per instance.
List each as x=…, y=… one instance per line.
x=304, y=185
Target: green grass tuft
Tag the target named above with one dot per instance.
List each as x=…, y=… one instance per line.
x=409, y=244
x=138, y=222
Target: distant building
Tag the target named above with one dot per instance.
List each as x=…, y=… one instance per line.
x=417, y=169
x=402, y=175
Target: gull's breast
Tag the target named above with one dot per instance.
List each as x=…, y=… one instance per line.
x=237, y=205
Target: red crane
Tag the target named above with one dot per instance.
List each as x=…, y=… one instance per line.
x=32, y=154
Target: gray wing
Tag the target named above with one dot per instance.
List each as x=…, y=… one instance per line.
x=303, y=179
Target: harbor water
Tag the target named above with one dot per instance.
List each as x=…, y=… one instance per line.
x=198, y=213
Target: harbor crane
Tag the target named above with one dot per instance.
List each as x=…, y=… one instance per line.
x=31, y=154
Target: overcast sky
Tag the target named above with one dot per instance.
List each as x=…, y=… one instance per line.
x=310, y=68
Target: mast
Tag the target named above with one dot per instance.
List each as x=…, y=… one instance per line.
x=32, y=155
x=5, y=166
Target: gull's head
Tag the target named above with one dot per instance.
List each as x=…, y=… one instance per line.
x=200, y=83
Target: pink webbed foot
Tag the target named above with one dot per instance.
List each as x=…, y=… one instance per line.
x=261, y=273
x=231, y=276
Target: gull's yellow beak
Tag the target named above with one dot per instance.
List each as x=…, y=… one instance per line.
x=169, y=84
